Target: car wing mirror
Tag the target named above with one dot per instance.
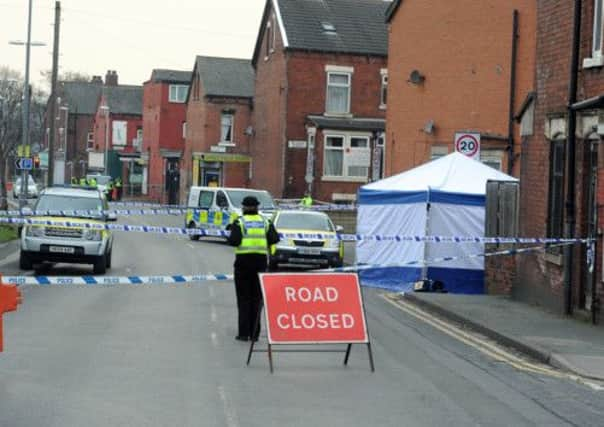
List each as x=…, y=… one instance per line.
x=111, y=217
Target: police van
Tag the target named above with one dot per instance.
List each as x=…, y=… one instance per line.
x=214, y=208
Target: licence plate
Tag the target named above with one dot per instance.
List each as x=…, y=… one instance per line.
x=309, y=251
x=61, y=250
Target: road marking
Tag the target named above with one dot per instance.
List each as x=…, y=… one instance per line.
x=190, y=245
x=229, y=411
x=213, y=313
x=492, y=350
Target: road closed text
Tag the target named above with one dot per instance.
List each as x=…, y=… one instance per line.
x=303, y=307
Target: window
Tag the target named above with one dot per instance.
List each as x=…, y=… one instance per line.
x=90, y=141
x=555, y=206
x=270, y=38
x=384, y=89
x=438, y=151
x=596, y=59
x=206, y=198
x=226, y=127
x=221, y=200
x=346, y=156
x=338, y=93
x=178, y=93
x=329, y=28
x=493, y=159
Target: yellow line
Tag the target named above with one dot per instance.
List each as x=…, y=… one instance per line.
x=494, y=351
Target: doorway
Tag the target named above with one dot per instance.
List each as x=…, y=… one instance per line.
x=172, y=186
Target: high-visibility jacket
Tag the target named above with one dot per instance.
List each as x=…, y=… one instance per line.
x=306, y=201
x=253, y=235
x=74, y=180
x=83, y=182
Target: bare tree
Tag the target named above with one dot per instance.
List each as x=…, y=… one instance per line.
x=66, y=76
x=11, y=97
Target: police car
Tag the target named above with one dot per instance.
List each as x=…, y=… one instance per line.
x=214, y=208
x=69, y=244
x=326, y=251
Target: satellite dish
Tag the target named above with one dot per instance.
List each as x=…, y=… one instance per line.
x=416, y=77
x=429, y=127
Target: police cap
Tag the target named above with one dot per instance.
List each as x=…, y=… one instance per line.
x=250, y=201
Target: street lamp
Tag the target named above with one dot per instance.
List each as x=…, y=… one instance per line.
x=25, y=136
x=105, y=108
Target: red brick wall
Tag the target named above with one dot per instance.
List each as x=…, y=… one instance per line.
x=79, y=126
x=269, y=119
x=306, y=75
x=465, y=58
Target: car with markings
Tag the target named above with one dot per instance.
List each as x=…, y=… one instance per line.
x=57, y=243
x=324, y=251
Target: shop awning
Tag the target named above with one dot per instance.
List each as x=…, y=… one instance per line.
x=222, y=157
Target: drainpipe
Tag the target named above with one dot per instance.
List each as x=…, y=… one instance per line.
x=512, y=92
x=570, y=156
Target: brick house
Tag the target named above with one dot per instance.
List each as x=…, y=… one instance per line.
x=320, y=97
x=218, y=132
x=164, y=124
x=545, y=164
x=451, y=70
x=76, y=108
x=118, y=134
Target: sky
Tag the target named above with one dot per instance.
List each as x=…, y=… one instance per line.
x=130, y=36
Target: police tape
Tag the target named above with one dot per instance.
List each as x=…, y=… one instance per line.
x=289, y=206
x=209, y=232
x=96, y=213
x=187, y=279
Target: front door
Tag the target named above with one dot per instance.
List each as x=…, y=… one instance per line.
x=172, y=180
x=211, y=177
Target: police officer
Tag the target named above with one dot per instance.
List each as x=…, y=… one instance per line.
x=74, y=181
x=83, y=182
x=306, y=201
x=118, y=187
x=252, y=235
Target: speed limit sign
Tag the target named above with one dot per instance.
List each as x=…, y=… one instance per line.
x=468, y=144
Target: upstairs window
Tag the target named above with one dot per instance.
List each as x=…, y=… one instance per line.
x=90, y=141
x=226, y=127
x=338, y=93
x=178, y=93
x=597, y=59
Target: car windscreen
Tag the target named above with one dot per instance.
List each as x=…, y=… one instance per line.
x=265, y=199
x=48, y=202
x=100, y=179
x=303, y=221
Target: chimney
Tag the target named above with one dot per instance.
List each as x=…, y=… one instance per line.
x=111, y=78
x=97, y=80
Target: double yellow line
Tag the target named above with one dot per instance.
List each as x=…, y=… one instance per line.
x=488, y=348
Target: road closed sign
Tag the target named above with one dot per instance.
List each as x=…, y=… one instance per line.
x=468, y=144
x=303, y=308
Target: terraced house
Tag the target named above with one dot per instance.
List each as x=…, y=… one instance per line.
x=320, y=97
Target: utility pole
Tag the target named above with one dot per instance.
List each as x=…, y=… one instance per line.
x=53, y=95
x=26, y=101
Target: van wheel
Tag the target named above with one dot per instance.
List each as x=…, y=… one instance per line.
x=25, y=262
x=193, y=236
x=108, y=260
x=100, y=265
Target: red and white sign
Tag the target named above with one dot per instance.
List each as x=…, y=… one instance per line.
x=306, y=308
x=468, y=144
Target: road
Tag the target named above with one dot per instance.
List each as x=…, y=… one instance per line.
x=166, y=355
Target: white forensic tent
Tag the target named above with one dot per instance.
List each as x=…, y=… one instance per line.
x=445, y=197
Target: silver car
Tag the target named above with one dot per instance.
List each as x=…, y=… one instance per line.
x=32, y=188
x=69, y=244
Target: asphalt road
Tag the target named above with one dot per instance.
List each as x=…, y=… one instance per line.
x=166, y=356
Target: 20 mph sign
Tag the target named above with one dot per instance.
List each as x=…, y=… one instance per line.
x=468, y=144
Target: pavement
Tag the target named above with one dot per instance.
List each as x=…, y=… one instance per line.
x=566, y=343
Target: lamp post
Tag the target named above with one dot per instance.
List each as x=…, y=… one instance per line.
x=26, y=100
x=105, y=108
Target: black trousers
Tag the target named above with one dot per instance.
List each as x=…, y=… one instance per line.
x=247, y=289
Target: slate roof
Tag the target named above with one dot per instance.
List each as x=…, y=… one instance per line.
x=344, y=123
x=82, y=97
x=360, y=26
x=227, y=77
x=125, y=99
x=171, y=76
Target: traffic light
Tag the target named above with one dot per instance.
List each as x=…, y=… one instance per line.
x=36, y=162
x=10, y=298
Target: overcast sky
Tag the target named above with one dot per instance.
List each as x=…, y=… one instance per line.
x=129, y=36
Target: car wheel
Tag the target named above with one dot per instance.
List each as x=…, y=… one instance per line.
x=108, y=260
x=100, y=265
x=193, y=236
x=25, y=262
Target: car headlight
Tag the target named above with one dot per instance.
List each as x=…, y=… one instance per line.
x=34, y=231
x=332, y=243
x=92, y=235
x=286, y=243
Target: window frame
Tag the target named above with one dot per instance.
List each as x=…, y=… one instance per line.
x=232, y=140
x=492, y=156
x=383, y=89
x=90, y=141
x=597, y=37
x=555, y=211
x=348, y=74
x=174, y=91
x=346, y=150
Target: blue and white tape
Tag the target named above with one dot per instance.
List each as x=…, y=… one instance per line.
x=96, y=213
x=185, y=279
x=326, y=207
x=126, y=280
x=310, y=236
